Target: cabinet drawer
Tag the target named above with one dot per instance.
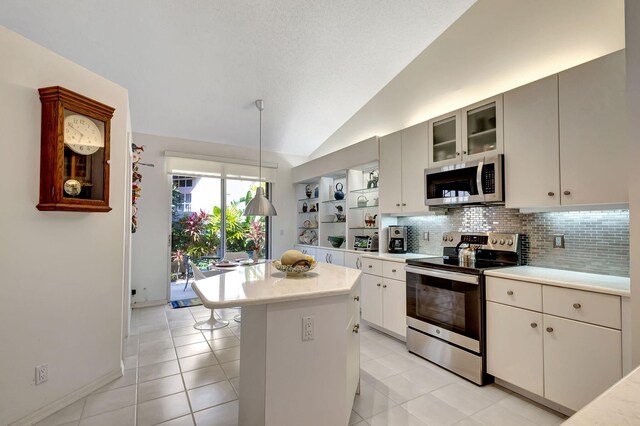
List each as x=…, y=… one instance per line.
x=594, y=308
x=515, y=293
x=393, y=270
x=372, y=266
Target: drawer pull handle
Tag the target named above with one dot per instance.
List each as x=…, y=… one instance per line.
x=370, y=266
x=393, y=270
x=549, y=329
x=510, y=293
x=384, y=286
x=567, y=192
x=577, y=305
x=534, y=325
x=356, y=298
x=356, y=328
x=378, y=284
x=550, y=194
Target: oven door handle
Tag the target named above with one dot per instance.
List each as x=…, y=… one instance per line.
x=479, y=178
x=453, y=276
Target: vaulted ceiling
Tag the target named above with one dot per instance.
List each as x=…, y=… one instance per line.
x=194, y=68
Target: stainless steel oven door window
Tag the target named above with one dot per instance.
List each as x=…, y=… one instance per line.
x=448, y=300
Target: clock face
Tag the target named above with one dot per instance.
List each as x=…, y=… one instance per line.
x=82, y=135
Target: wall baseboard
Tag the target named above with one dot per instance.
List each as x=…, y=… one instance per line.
x=69, y=399
x=148, y=304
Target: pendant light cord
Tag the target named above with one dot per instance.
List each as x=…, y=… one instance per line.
x=260, y=157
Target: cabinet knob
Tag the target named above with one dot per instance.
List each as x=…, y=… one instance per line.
x=384, y=286
x=549, y=329
x=397, y=204
x=378, y=284
x=404, y=204
x=534, y=325
x=356, y=328
x=567, y=192
x=464, y=152
x=551, y=194
x=370, y=266
x=577, y=305
x=510, y=293
x=457, y=154
x=356, y=298
x=393, y=270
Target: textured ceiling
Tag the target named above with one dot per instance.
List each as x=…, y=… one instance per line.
x=194, y=68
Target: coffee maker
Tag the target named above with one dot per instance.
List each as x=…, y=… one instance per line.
x=397, y=239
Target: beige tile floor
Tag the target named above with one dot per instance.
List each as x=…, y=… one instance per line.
x=176, y=375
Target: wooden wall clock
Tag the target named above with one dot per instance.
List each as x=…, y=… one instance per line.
x=74, y=152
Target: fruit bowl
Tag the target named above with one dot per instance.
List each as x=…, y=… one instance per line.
x=336, y=241
x=300, y=267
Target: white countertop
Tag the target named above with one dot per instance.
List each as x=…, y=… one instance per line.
x=396, y=257
x=619, y=286
x=263, y=284
x=618, y=405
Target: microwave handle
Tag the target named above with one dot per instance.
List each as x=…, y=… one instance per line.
x=479, y=178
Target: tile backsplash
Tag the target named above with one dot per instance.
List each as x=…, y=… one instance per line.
x=595, y=241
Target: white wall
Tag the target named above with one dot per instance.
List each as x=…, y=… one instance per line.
x=632, y=28
x=495, y=46
x=150, y=252
x=62, y=272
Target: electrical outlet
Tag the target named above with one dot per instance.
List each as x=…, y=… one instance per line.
x=425, y=236
x=558, y=241
x=42, y=373
x=307, y=328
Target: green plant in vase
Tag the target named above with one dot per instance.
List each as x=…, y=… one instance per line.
x=256, y=238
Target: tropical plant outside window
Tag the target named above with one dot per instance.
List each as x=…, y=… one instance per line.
x=198, y=233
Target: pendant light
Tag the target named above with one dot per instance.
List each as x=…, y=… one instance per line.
x=260, y=205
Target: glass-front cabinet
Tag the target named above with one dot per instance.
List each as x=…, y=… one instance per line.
x=466, y=134
x=482, y=129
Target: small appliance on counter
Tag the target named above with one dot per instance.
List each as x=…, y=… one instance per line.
x=397, y=239
x=366, y=242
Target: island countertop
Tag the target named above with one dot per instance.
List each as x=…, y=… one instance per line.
x=263, y=284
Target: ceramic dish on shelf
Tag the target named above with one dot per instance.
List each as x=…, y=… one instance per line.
x=308, y=236
x=300, y=267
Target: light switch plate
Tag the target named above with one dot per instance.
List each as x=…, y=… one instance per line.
x=558, y=241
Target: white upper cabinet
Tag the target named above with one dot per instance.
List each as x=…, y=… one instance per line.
x=403, y=157
x=470, y=133
x=415, y=154
x=482, y=129
x=593, y=141
x=391, y=173
x=532, y=157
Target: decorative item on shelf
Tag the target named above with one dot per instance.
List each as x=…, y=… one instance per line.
x=316, y=191
x=329, y=218
x=375, y=201
x=304, y=207
x=307, y=191
x=340, y=215
x=136, y=178
x=260, y=205
x=306, y=224
x=362, y=201
x=74, y=152
x=336, y=241
x=370, y=220
x=339, y=194
x=373, y=179
x=314, y=222
x=309, y=237
x=314, y=208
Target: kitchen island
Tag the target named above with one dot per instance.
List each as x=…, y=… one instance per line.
x=285, y=377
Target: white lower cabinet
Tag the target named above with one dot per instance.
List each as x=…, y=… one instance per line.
x=334, y=257
x=514, y=346
x=352, y=260
x=384, y=299
x=580, y=361
x=565, y=361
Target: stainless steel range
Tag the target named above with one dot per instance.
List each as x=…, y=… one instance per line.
x=446, y=300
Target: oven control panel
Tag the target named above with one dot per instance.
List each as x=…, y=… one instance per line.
x=486, y=240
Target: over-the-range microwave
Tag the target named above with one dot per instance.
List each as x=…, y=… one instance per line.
x=470, y=182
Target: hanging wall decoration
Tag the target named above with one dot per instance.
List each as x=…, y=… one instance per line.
x=136, y=178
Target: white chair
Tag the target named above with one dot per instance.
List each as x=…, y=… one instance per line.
x=233, y=256
x=212, y=323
